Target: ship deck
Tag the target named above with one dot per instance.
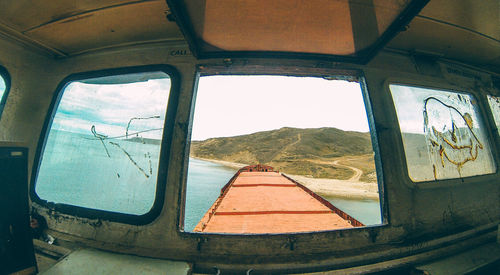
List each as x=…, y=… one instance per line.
x=255, y=202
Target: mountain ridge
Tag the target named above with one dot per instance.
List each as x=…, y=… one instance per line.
x=292, y=150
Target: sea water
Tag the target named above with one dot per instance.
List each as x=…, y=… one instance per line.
x=77, y=170
x=204, y=182
x=367, y=211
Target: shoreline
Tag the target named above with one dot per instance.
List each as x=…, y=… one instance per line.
x=347, y=189
x=234, y=165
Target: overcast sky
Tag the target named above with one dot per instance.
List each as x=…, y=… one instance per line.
x=2, y=87
x=237, y=105
x=225, y=106
x=409, y=103
x=110, y=107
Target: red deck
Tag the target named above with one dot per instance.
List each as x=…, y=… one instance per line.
x=269, y=202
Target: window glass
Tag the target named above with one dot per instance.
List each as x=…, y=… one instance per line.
x=102, y=150
x=494, y=102
x=3, y=89
x=442, y=133
x=277, y=154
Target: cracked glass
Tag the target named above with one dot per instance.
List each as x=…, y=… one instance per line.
x=494, y=102
x=102, y=149
x=3, y=88
x=443, y=134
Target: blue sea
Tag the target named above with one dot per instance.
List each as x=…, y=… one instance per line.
x=120, y=176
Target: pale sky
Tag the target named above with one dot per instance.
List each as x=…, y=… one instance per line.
x=225, y=106
x=409, y=102
x=2, y=87
x=110, y=108
x=238, y=105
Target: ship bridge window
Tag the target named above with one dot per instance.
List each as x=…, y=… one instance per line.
x=494, y=102
x=295, y=156
x=443, y=134
x=101, y=153
x=4, y=88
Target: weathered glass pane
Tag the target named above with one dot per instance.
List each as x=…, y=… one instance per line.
x=442, y=133
x=495, y=109
x=102, y=151
x=2, y=87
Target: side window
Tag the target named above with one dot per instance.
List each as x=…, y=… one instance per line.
x=280, y=154
x=4, y=88
x=443, y=135
x=494, y=102
x=102, y=149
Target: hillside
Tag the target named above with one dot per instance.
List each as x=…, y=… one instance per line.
x=292, y=150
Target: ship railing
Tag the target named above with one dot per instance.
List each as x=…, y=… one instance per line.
x=337, y=211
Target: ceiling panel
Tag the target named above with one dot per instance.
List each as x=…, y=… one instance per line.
x=349, y=30
x=134, y=23
x=480, y=16
x=427, y=36
x=247, y=26
x=24, y=15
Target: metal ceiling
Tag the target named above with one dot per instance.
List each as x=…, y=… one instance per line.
x=462, y=30
x=340, y=30
x=66, y=28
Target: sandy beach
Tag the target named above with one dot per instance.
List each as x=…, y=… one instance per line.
x=349, y=189
x=339, y=188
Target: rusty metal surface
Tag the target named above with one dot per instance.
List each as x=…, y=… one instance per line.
x=268, y=202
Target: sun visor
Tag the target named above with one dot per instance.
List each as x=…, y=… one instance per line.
x=342, y=30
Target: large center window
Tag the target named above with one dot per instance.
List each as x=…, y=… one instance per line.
x=280, y=154
x=102, y=149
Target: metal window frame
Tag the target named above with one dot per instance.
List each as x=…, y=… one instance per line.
x=441, y=87
x=286, y=70
x=4, y=74
x=171, y=113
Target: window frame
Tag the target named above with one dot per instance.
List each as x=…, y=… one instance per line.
x=4, y=74
x=431, y=84
x=163, y=162
x=285, y=70
x=493, y=121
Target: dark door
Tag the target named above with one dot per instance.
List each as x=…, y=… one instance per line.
x=16, y=244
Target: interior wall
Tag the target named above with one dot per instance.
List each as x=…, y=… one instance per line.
x=33, y=81
x=415, y=211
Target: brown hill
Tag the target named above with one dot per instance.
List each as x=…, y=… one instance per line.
x=292, y=150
